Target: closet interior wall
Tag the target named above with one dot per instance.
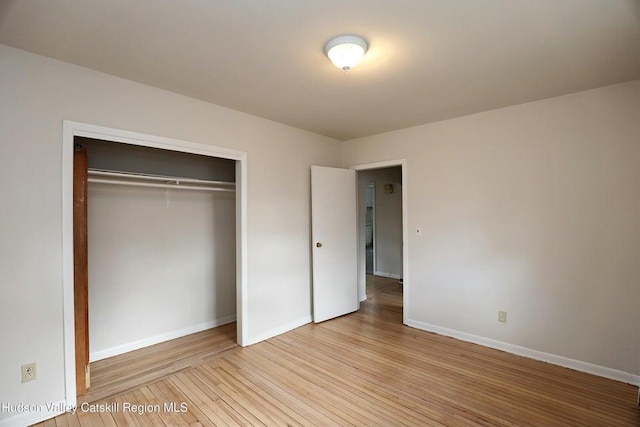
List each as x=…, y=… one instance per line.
x=161, y=260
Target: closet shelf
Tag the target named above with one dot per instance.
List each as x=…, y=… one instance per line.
x=102, y=176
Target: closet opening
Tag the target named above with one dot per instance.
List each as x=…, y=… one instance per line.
x=155, y=262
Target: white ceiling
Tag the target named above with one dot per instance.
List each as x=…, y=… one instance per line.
x=428, y=60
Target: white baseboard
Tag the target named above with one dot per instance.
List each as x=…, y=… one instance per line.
x=566, y=362
x=388, y=275
x=43, y=412
x=279, y=330
x=146, y=342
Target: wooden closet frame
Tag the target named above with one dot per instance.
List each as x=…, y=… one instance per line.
x=73, y=129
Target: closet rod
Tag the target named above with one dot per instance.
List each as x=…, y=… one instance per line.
x=150, y=184
x=107, y=173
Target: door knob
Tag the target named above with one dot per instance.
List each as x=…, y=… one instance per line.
x=318, y=245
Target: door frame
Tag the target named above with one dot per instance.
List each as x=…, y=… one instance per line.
x=406, y=283
x=70, y=130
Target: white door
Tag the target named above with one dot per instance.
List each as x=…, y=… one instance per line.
x=334, y=241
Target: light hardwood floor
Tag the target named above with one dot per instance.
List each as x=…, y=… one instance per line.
x=118, y=374
x=365, y=369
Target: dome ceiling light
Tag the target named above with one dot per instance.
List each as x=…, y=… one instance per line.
x=346, y=51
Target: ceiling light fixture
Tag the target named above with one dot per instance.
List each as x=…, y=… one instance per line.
x=346, y=51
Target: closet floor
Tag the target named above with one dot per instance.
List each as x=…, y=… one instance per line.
x=131, y=370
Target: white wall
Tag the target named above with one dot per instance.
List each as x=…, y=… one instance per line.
x=36, y=95
x=532, y=209
x=160, y=265
x=388, y=222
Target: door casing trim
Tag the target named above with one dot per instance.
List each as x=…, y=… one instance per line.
x=72, y=129
x=406, y=283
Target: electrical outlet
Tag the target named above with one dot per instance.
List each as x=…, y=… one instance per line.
x=502, y=316
x=29, y=372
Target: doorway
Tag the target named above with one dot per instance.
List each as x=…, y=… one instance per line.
x=73, y=130
x=369, y=227
x=161, y=255
x=383, y=231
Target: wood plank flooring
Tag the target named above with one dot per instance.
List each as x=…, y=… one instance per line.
x=118, y=374
x=365, y=369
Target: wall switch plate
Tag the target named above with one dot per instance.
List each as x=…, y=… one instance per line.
x=29, y=372
x=502, y=316
x=418, y=231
